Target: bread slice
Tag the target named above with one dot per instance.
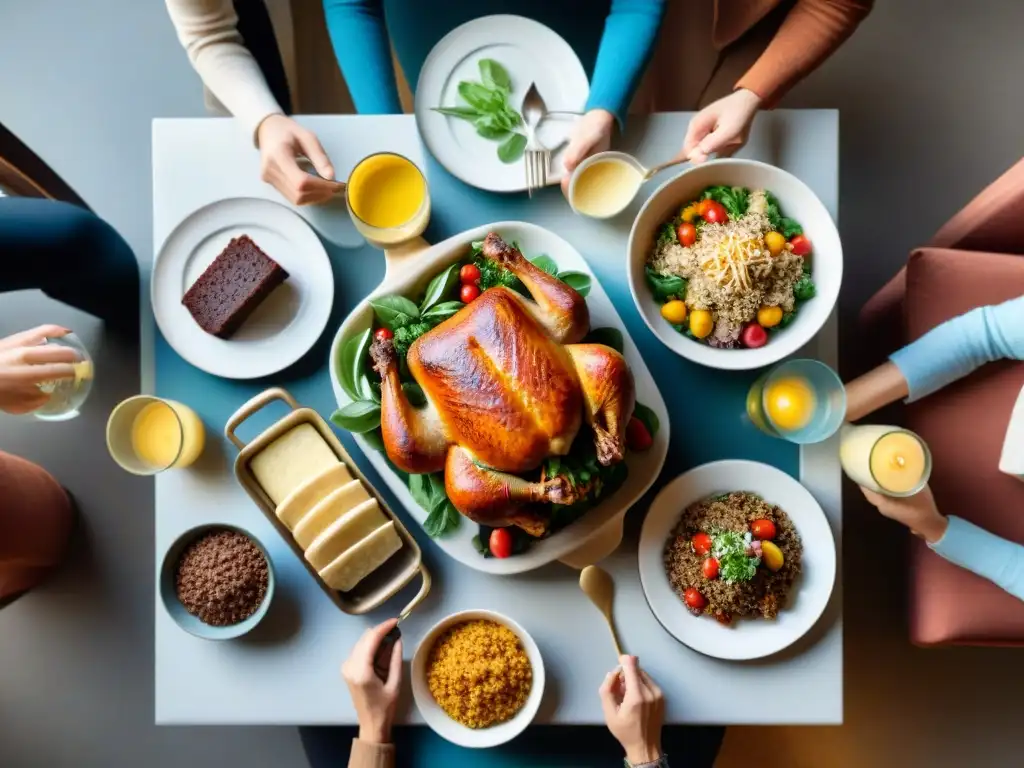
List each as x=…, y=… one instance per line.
x=330, y=508
x=307, y=495
x=288, y=462
x=344, y=533
x=362, y=559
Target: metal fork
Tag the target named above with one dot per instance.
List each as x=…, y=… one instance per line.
x=537, y=158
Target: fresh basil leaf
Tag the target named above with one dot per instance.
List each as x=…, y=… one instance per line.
x=419, y=489
x=441, y=312
x=478, y=544
x=493, y=74
x=393, y=312
x=414, y=394
x=437, y=490
x=545, y=263
x=610, y=337
x=375, y=439
x=490, y=128
x=648, y=418
x=477, y=96
x=464, y=113
x=789, y=228
x=578, y=281
x=664, y=287
x=443, y=519
x=512, y=148
x=440, y=287
x=358, y=416
x=352, y=364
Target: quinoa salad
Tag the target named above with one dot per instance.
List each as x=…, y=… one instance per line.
x=732, y=556
x=729, y=270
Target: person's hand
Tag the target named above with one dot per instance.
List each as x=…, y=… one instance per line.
x=374, y=700
x=918, y=512
x=25, y=363
x=722, y=127
x=591, y=134
x=634, y=708
x=281, y=140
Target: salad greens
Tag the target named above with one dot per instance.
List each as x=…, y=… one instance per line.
x=487, y=108
x=730, y=549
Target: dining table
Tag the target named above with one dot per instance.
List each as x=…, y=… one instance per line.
x=286, y=671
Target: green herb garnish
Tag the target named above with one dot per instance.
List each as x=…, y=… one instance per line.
x=804, y=288
x=730, y=550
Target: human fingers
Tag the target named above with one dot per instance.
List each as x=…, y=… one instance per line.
x=631, y=673
x=876, y=499
x=314, y=150
x=45, y=353
x=609, y=702
x=700, y=126
x=313, y=189
x=371, y=639
x=35, y=374
x=652, y=686
x=25, y=404
x=33, y=336
x=394, y=681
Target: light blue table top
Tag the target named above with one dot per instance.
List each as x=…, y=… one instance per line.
x=286, y=671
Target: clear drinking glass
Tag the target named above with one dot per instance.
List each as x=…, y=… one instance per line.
x=802, y=401
x=388, y=198
x=67, y=395
x=147, y=434
x=886, y=459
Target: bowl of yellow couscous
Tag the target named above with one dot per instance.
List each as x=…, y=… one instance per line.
x=477, y=678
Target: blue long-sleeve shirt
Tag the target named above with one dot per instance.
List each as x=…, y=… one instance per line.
x=613, y=39
x=943, y=355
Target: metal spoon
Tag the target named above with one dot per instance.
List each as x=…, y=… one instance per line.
x=597, y=584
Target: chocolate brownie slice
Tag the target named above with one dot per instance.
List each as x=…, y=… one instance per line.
x=237, y=281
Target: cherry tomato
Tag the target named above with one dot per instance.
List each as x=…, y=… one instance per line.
x=715, y=213
x=637, y=436
x=723, y=618
x=710, y=568
x=687, y=234
x=501, y=542
x=469, y=274
x=763, y=529
x=702, y=206
x=468, y=292
x=753, y=336
x=383, y=334
x=701, y=543
x=801, y=245
x=695, y=599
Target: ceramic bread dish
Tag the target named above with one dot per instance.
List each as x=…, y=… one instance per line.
x=597, y=532
x=308, y=487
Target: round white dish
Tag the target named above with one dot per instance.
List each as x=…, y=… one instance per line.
x=284, y=327
x=797, y=202
x=746, y=638
x=436, y=717
x=532, y=53
x=409, y=271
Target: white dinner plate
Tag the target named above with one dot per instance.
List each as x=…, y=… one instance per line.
x=284, y=327
x=532, y=53
x=746, y=638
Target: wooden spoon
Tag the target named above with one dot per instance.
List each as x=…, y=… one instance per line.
x=597, y=584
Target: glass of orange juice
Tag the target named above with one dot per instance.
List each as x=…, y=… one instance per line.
x=802, y=401
x=147, y=434
x=888, y=460
x=388, y=199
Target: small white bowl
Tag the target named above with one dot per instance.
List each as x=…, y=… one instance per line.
x=797, y=202
x=601, y=157
x=439, y=720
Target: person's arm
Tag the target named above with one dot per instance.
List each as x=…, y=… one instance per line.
x=208, y=29
x=810, y=33
x=944, y=354
x=991, y=557
x=361, y=45
x=374, y=699
x=626, y=46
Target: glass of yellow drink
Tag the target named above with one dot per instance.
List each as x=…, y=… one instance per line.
x=67, y=395
x=802, y=401
x=147, y=434
x=885, y=459
x=388, y=199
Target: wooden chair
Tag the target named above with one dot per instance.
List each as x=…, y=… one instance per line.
x=24, y=174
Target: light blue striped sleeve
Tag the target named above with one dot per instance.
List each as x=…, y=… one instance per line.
x=630, y=32
x=360, y=40
x=991, y=557
x=959, y=346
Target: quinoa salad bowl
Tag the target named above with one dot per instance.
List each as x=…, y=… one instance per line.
x=734, y=264
x=477, y=678
x=737, y=559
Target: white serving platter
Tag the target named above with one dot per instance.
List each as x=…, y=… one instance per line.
x=599, y=531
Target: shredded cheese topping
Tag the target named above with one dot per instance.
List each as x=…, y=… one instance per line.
x=735, y=262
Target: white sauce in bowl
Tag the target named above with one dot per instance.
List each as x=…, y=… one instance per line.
x=605, y=187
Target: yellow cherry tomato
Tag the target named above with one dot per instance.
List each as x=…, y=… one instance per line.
x=701, y=323
x=775, y=243
x=674, y=311
x=771, y=555
x=690, y=213
x=769, y=317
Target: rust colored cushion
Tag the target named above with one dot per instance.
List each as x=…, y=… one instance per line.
x=964, y=425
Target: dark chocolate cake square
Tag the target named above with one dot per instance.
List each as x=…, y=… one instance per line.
x=237, y=282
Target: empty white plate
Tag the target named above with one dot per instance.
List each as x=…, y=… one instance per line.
x=532, y=53
x=746, y=638
x=288, y=322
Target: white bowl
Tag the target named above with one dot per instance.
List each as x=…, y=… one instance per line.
x=797, y=202
x=746, y=638
x=436, y=717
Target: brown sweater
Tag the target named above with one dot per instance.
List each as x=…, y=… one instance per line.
x=367, y=755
